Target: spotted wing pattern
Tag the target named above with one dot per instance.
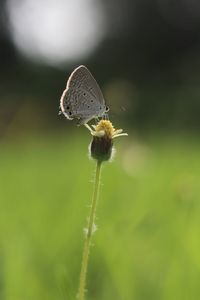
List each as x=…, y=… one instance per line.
x=82, y=98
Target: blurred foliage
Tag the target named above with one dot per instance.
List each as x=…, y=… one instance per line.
x=147, y=242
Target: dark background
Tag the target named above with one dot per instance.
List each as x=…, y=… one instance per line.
x=152, y=46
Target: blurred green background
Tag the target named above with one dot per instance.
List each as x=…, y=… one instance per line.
x=145, y=56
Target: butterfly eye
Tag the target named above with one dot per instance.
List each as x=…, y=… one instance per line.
x=107, y=108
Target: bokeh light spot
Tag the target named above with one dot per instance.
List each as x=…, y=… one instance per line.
x=56, y=31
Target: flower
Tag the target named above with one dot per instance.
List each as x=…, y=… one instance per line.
x=101, y=147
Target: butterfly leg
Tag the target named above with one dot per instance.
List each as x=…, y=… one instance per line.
x=96, y=120
x=106, y=116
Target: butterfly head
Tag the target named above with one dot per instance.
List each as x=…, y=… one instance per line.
x=107, y=109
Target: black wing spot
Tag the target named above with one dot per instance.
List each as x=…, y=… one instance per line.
x=70, y=113
x=67, y=107
x=84, y=94
x=88, y=106
x=92, y=101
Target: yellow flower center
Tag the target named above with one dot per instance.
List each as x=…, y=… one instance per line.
x=106, y=126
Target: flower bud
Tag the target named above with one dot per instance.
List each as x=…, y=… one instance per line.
x=101, y=148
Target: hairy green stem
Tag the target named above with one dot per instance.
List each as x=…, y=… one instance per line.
x=89, y=231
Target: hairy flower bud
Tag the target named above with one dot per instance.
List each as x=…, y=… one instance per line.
x=101, y=147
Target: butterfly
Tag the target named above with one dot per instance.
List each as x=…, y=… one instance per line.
x=82, y=99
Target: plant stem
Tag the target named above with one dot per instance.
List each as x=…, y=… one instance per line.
x=90, y=227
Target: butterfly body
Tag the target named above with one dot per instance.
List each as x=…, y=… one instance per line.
x=82, y=99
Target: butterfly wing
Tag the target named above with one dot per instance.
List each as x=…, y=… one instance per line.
x=82, y=98
x=81, y=78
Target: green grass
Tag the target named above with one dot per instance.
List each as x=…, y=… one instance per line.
x=148, y=241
